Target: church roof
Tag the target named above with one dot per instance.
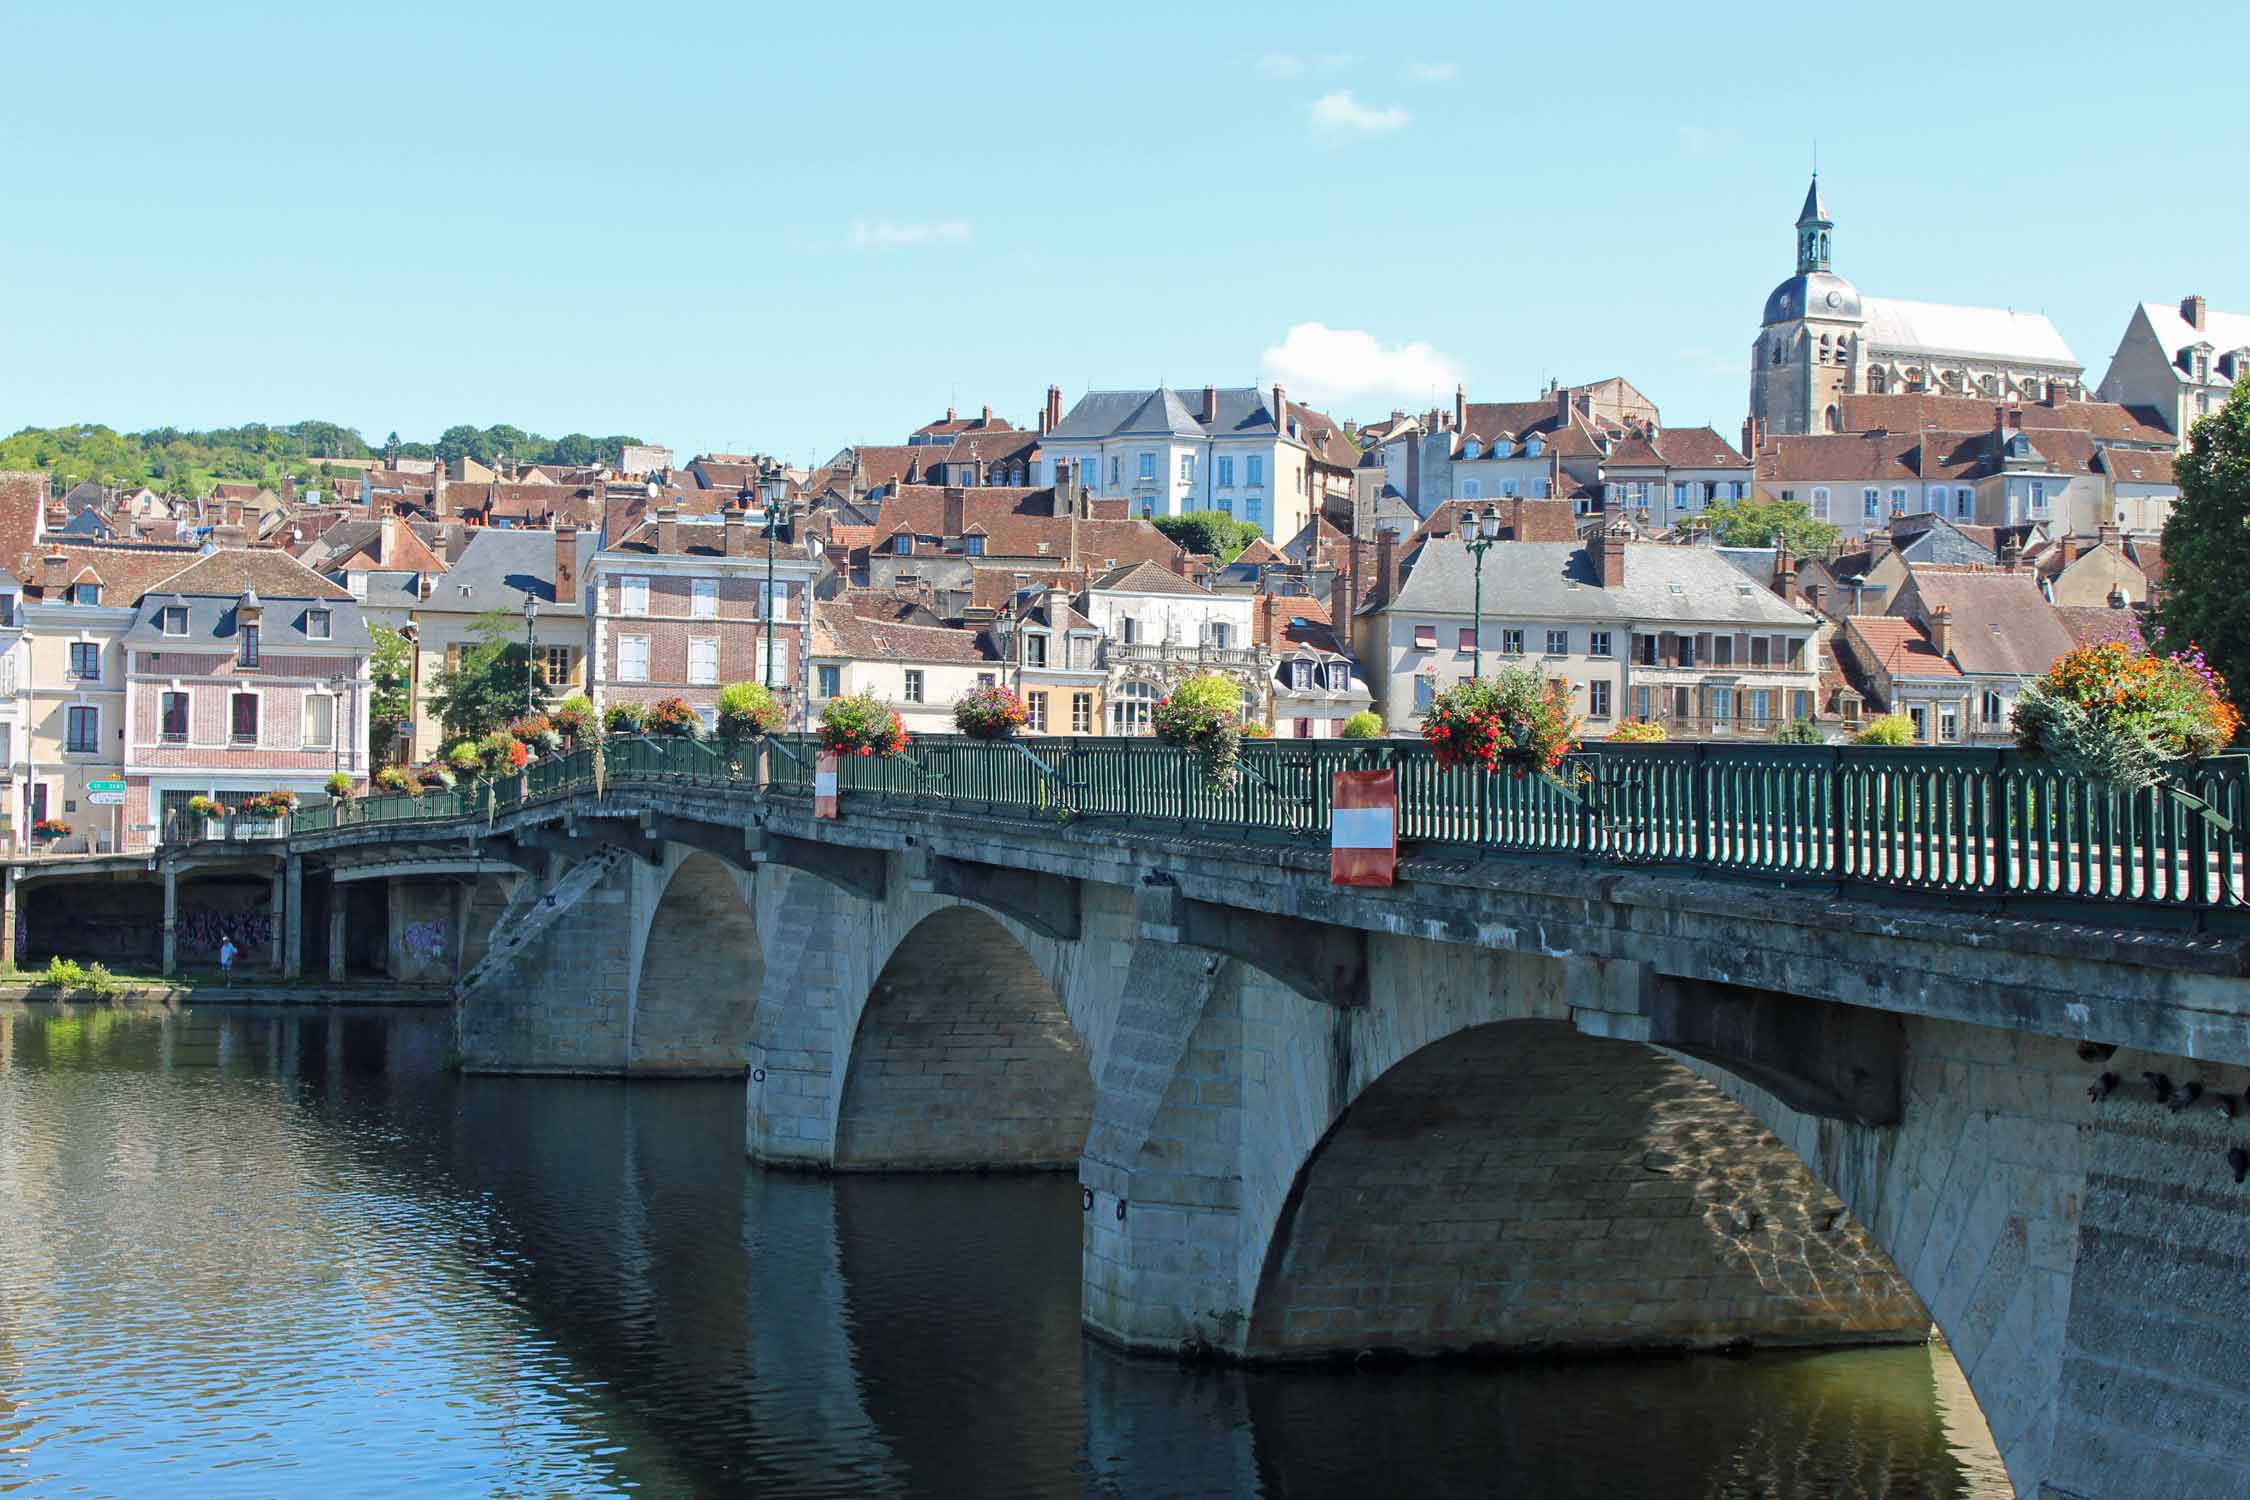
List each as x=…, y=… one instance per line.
x=2223, y=331
x=1897, y=325
x=1815, y=212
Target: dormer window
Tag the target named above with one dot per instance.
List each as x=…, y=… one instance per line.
x=1339, y=677
x=319, y=624
x=247, y=651
x=356, y=582
x=173, y=619
x=1532, y=447
x=1472, y=449
x=973, y=546
x=85, y=593
x=1300, y=676
x=903, y=544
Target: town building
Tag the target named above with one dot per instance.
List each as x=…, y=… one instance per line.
x=1315, y=685
x=495, y=575
x=920, y=671
x=1820, y=341
x=684, y=605
x=2179, y=360
x=1161, y=628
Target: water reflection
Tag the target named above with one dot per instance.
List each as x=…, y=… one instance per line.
x=247, y=1252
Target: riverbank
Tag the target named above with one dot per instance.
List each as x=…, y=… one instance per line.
x=31, y=986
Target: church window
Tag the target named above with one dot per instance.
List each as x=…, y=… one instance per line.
x=1877, y=380
x=1835, y=420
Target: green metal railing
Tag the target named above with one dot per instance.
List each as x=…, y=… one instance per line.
x=1959, y=822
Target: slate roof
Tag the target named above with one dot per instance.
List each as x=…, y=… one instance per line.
x=2223, y=331
x=1897, y=323
x=1555, y=580
x=1242, y=411
x=214, y=621
x=498, y=568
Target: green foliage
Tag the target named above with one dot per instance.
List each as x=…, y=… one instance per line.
x=2207, y=541
x=573, y=718
x=465, y=758
x=747, y=710
x=673, y=716
x=1204, y=714
x=486, y=688
x=1212, y=531
x=397, y=781
x=1800, y=732
x=1639, y=732
x=391, y=668
x=1890, y=729
x=200, y=806
x=1515, y=720
x=1364, y=725
x=625, y=718
x=279, y=803
x=860, y=724
x=170, y=460
x=2117, y=714
x=67, y=974
x=1757, y=523
x=502, y=754
x=1215, y=691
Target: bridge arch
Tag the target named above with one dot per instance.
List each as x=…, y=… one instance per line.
x=701, y=968
x=963, y=1058
x=1517, y=1186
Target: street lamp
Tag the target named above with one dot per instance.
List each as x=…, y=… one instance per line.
x=530, y=654
x=1484, y=531
x=338, y=718
x=773, y=517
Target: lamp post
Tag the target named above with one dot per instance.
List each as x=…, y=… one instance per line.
x=336, y=726
x=530, y=654
x=1484, y=532
x=774, y=514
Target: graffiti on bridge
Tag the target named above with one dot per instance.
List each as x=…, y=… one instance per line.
x=202, y=929
x=425, y=941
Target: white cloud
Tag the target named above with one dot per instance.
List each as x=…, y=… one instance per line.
x=882, y=234
x=1333, y=364
x=1435, y=72
x=1297, y=64
x=1340, y=111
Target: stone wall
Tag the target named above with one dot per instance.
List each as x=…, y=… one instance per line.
x=425, y=931
x=964, y=1059
x=700, y=973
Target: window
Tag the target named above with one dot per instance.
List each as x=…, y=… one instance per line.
x=1898, y=501
x=320, y=624
x=84, y=731
x=320, y=722
x=1645, y=650
x=2039, y=495
x=1035, y=705
x=632, y=595
x=1540, y=489
x=1679, y=494
x=242, y=718
x=1820, y=501
x=914, y=685
x=903, y=544
x=1508, y=488
x=1761, y=706
x=1948, y=725
x=1425, y=693
x=1641, y=703
x=1339, y=677
x=773, y=602
x=1722, y=707
x=85, y=593
x=248, y=652
x=1921, y=718
x=703, y=659
x=172, y=620
x=1226, y=472
x=1113, y=463
x=972, y=546
x=1597, y=643
x=1871, y=503
x=1511, y=643
x=1221, y=634
x=1300, y=674
x=1687, y=650
x=1964, y=501
x=555, y=665
x=1597, y=699
x=1937, y=498
x=1035, y=649
x=988, y=679
x=831, y=682
x=1425, y=637
x=1254, y=470
x=1129, y=708
x=1187, y=468
x=1128, y=629
x=172, y=718
x=703, y=598
x=773, y=651
x=1081, y=713
x=632, y=658
x=1722, y=651
x=1470, y=489
x=86, y=660
x=1558, y=643
x=356, y=582
x=1254, y=510
x=1148, y=466
x=1468, y=641
x=1992, y=710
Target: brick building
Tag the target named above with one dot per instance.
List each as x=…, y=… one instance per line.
x=680, y=608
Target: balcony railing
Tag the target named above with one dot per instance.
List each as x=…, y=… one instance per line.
x=1177, y=653
x=1995, y=825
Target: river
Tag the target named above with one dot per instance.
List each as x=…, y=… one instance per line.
x=260, y=1253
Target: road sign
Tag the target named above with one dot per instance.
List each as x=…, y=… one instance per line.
x=106, y=786
x=105, y=799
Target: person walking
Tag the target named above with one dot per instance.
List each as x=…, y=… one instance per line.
x=227, y=951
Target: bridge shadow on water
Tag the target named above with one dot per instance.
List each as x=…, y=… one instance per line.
x=707, y=1328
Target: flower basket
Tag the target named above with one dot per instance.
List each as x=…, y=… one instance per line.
x=990, y=713
x=573, y=719
x=274, y=804
x=2116, y=715
x=625, y=720
x=50, y=828
x=1204, y=715
x=1638, y=732
x=397, y=781
x=673, y=716
x=859, y=725
x=1515, y=721
x=341, y=788
x=747, y=711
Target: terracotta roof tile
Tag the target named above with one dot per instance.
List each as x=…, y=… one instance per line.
x=1898, y=645
x=235, y=571
x=839, y=631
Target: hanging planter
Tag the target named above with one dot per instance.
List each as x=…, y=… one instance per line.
x=859, y=725
x=1514, y=721
x=1204, y=715
x=990, y=713
x=2118, y=716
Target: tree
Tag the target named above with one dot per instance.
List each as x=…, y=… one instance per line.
x=2207, y=542
x=1800, y=732
x=391, y=666
x=1212, y=531
x=486, y=687
x=1758, y=523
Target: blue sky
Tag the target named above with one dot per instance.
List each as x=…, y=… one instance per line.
x=789, y=228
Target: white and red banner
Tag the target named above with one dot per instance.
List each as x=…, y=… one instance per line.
x=824, y=785
x=1363, y=828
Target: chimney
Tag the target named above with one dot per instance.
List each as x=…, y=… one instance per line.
x=387, y=545
x=2192, y=310
x=54, y=572
x=2067, y=550
x=986, y=419
x=1210, y=405
x=1054, y=407
x=913, y=469
x=289, y=489
x=1515, y=520
x=736, y=533
x=1878, y=546
x=2111, y=535
x=566, y=562
x=1609, y=556
x=1280, y=410
x=2015, y=419
x=956, y=499
x=949, y=414
x=1562, y=408
x=1812, y=595
x=57, y=516
x=1460, y=408
x=1785, y=573
x=1941, y=630
x=667, y=529
x=2011, y=551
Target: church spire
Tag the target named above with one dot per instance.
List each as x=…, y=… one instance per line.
x=1813, y=229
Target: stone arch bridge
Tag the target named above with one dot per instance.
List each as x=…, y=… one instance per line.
x=1505, y=1105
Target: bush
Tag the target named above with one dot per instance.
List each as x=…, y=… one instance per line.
x=746, y=711
x=2118, y=715
x=860, y=725
x=200, y=806
x=530, y=727
x=672, y=716
x=67, y=974
x=990, y=713
x=340, y=786
x=439, y=778
x=625, y=719
x=502, y=754
x=1800, y=732
x=1890, y=729
x=1364, y=725
x=1204, y=714
x=573, y=718
x=1254, y=730
x=1515, y=720
x=1639, y=732
x=274, y=804
x=397, y=781
x=465, y=760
